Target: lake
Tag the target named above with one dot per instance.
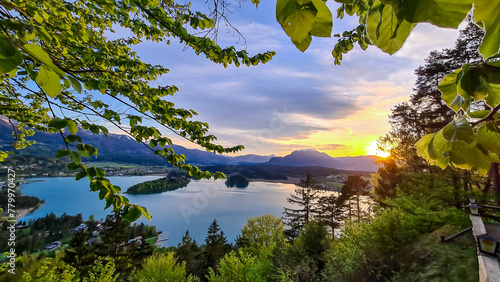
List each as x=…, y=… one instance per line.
x=193, y=207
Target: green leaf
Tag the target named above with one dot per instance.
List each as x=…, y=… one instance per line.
x=487, y=16
x=86, y=150
x=323, y=24
x=438, y=150
x=76, y=157
x=488, y=135
x=80, y=175
x=384, y=30
x=302, y=46
x=479, y=114
x=363, y=43
x=40, y=55
x=72, y=126
x=62, y=153
x=7, y=49
x=104, y=130
x=473, y=156
x=73, y=138
x=73, y=166
x=458, y=129
x=469, y=84
x=449, y=90
x=443, y=13
x=284, y=9
x=10, y=57
x=299, y=21
x=422, y=146
x=145, y=212
x=49, y=81
x=94, y=129
x=58, y=123
x=132, y=213
x=76, y=84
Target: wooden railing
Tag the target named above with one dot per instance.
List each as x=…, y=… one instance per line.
x=489, y=266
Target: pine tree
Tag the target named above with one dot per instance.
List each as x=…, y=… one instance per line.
x=113, y=236
x=354, y=187
x=216, y=246
x=426, y=112
x=189, y=252
x=305, y=198
x=79, y=254
x=386, y=179
x=331, y=211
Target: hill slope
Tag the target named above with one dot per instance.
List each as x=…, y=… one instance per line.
x=117, y=148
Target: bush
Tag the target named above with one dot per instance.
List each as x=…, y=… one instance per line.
x=163, y=267
x=371, y=251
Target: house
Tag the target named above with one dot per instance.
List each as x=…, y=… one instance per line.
x=92, y=241
x=137, y=240
x=80, y=228
x=52, y=246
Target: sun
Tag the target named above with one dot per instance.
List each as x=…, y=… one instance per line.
x=372, y=150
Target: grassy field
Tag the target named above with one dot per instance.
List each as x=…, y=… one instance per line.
x=428, y=259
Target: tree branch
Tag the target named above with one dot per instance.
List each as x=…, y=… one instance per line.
x=488, y=117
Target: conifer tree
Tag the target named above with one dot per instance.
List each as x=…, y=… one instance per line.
x=331, y=211
x=354, y=187
x=304, y=198
x=426, y=112
x=79, y=254
x=189, y=252
x=386, y=179
x=216, y=246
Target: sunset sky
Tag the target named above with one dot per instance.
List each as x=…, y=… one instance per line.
x=297, y=100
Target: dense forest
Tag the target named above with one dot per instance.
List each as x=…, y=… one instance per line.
x=158, y=185
x=237, y=180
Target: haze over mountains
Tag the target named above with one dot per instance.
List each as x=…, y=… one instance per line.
x=310, y=157
x=123, y=149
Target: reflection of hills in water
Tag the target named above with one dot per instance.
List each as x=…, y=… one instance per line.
x=237, y=180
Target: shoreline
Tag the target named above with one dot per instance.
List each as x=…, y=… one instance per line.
x=289, y=180
x=20, y=213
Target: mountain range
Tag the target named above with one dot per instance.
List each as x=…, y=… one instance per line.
x=124, y=149
x=310, y=157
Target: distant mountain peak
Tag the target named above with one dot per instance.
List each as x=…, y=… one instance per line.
x=312, y=157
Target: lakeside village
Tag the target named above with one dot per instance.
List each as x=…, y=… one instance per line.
x=45, y=167
x=93, y=226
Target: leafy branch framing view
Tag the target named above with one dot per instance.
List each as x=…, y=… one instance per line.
x=48, y=49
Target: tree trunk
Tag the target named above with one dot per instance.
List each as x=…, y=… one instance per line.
x=357, y=200
x=496, y=182
x=456, y=188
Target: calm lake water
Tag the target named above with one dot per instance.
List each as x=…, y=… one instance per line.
x=193, y=207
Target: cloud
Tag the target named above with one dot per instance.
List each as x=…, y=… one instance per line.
x=332, y=147
x=297, y=100
x=426, y=38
